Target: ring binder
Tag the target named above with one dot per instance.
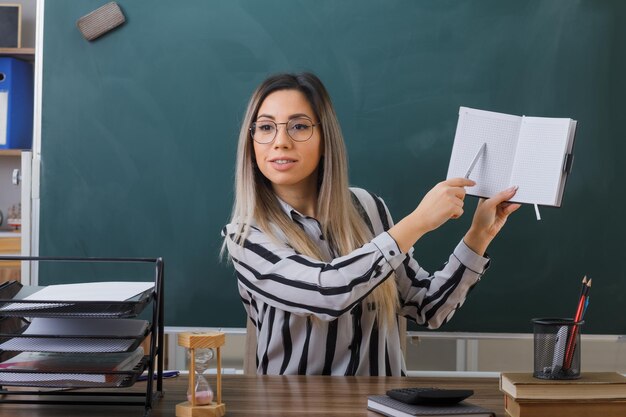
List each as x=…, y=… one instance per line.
x=16, y=104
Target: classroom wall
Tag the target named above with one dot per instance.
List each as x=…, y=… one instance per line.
x=427, y=353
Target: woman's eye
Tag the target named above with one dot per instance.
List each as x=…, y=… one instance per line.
x=300, y=126
x=265, y=127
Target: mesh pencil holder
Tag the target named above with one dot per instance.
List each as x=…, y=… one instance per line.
x=557, y=348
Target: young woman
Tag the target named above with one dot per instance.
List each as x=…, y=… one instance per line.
x=322, y=271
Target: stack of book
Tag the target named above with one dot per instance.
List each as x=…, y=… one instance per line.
x=390, y=407
x=593, y=394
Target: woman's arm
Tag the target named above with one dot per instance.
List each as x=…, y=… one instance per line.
x=444, y=202
x=489, y=218
x=431, y=300
x=303, y=285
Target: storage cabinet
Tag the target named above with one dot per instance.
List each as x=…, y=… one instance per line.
x=12, y=195
x=71, y=344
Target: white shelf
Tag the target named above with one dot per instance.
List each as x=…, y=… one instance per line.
x=10, y=152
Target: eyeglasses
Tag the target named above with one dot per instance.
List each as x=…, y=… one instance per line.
x=299, y=129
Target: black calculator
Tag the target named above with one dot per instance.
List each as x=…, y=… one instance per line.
x=429, y=396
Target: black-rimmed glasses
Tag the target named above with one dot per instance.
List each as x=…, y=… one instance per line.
x=299, y=129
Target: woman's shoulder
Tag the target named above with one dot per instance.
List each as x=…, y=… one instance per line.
x=369, y=203
x=238, y=227
x=365, y=197
x=250, y=229
x=372, y=209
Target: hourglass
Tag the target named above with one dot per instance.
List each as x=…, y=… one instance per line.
x=199, y=394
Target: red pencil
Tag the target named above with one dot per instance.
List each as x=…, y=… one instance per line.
x=571, y=345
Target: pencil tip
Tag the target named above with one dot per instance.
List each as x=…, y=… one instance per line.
x=585, y=279
x=589, y=282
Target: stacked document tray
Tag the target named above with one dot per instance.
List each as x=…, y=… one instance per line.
x=71, y=300
x=74, y=339
x=73, y=336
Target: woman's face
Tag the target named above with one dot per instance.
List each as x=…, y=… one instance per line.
x=290, y=166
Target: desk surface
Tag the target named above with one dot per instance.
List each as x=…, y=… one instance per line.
x=278, y=396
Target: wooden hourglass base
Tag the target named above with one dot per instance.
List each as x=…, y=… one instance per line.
x=211, y=410
x=208, y=340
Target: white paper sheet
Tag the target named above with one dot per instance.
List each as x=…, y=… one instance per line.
x=91, y=291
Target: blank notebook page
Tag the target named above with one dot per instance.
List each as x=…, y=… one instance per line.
x=540, y=155
x=500, y=132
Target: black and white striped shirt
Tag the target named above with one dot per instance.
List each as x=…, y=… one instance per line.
x=281, y=290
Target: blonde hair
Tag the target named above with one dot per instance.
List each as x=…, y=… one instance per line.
x=340, y=220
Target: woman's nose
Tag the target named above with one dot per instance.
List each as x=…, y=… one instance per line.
x=282, y=137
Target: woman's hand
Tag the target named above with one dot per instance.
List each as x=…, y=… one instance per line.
x=489, y=218
x=443, y=202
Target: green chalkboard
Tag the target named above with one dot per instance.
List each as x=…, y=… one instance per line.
x=139, y=130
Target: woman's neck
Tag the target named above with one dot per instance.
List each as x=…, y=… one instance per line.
x=304, y=202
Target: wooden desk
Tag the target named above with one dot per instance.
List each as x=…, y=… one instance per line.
x=276, y=396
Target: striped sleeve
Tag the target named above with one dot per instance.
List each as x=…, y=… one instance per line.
x=282, y=278
x=432, y=300
x=429, y=300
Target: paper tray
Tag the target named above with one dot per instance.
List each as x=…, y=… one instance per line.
x=78, y=379
x=12, y=304
x=82, y=335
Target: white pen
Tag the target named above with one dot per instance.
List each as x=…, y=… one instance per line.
x=476, y=158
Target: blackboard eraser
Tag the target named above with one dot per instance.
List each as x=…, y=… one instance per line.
x=101, y=21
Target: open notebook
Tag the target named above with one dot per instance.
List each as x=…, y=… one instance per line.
x=534, y=153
